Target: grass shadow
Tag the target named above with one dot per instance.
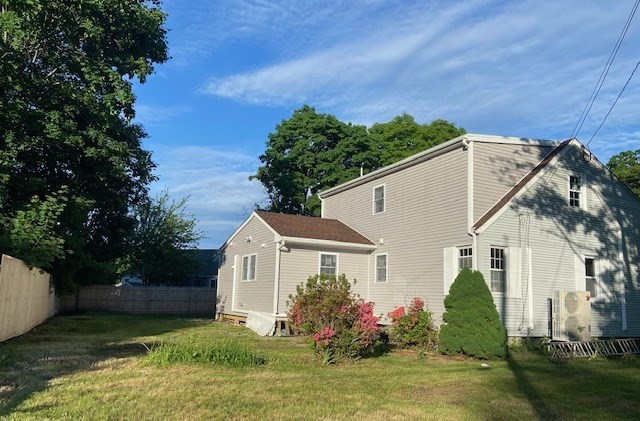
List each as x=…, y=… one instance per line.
x=74, y=343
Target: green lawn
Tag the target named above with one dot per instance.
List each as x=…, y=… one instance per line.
x=92, y=366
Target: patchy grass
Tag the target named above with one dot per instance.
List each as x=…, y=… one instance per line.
x=202, y=350
x=93, y=366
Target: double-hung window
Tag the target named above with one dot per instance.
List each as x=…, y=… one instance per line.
x=381, y=267
x=498, y=270
x=465, y=258
x=575, y=191
x=249, y=267
x=328, y=264
x=378, y=199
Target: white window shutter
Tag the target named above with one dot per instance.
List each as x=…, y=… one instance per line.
x=514, y=280
x=580, y=273
x=604, y=278
x=585, y=192
x=449, y=266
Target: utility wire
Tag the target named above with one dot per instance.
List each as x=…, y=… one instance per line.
x=614, y=103
x=605, y=72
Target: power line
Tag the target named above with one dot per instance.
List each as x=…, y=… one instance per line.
x=605, y=72
x=614, y=103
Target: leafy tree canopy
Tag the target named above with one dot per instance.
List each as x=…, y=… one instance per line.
x=626, y=166
x=66, y=110
x=311, y=152
x=163, y=233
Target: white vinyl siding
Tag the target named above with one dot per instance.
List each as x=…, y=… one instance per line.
x=328, y=264
x=381, y=267
x=249, y=267
x=378, y=199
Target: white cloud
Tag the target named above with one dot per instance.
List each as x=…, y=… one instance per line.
x=521, y=68
x=216, y=182
x=157, y=115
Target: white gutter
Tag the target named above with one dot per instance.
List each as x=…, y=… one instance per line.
x=468, y=145
x=276, y=281
x=328, y=243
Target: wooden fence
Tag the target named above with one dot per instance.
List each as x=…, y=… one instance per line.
x=26, y=297
x=150, y=300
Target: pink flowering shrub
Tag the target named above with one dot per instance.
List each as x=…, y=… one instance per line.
x=340, y=325
x=414, y=326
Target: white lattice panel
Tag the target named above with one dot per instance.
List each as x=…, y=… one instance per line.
x=262, y=323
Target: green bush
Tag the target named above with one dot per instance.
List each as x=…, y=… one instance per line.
x=339, y=324
x=192, y=350
x=472, y=324
x=414, y=326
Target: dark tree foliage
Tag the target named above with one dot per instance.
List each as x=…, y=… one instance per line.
x=66, y=110
x=163, y=235
x=311, y=152
x=472, y=325
x=403, y=137
x=307, y=153
x=626, y=166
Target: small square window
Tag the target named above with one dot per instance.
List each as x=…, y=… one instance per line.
x=378, y=199
x=328, y=264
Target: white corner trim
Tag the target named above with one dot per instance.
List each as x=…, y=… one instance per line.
x=552, y=163
x=276, y=280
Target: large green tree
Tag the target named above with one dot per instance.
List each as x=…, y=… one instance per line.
x=403, y=137
x=164, y=232
x=626, y=166
x=311, y=152
x=307, y=153
x=66, y=110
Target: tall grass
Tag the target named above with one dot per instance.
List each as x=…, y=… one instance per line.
x=194, y=350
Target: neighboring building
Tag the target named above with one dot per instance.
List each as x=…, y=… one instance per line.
x=205, y=276
x=534, y=216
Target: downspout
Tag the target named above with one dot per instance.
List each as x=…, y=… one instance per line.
x=276, y=281
x=468, y=146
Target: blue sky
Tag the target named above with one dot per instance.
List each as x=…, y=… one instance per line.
x=239, y=67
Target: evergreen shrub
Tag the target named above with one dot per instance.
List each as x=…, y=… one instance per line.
x=472, y=325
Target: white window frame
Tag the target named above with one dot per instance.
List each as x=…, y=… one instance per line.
x=504, y=269
x=384, y=199
x=386, y=268
x=582, y=198
x=322, y=253
x=459, y=257
x=246, y=277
